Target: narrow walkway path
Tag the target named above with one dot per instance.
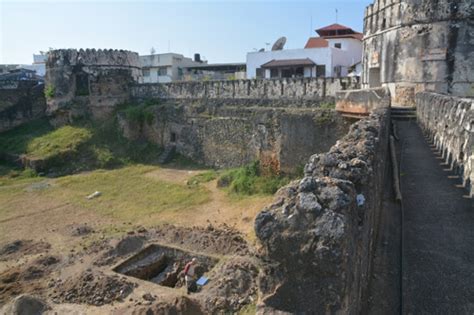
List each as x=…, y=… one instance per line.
x=438, y=232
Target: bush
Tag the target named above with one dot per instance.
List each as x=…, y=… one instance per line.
x=249, y=180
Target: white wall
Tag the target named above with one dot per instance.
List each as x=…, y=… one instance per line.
x=349, y=54
x=170, y=60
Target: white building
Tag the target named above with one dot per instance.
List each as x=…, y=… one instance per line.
x=330, y=55
x=168, y=67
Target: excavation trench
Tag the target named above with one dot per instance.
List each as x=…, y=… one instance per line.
x=164, y=265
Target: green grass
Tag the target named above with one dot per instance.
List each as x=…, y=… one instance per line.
x=204, y=177
x=61, y=140
x=127, y=194
x=73, y=148
x=17, y=140
x=249, y=309
x=250, y=180
x=327, y=105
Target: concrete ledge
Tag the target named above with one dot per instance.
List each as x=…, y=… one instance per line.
x=362, y=102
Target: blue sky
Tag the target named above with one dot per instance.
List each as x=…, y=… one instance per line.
x=222, y=31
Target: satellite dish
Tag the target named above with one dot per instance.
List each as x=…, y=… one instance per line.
x=261, y=50
x=279, y=44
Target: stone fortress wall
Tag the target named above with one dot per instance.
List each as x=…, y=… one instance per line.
x=318, y=236
x=22, y=103
x=418, y=45
x=449, y=122
x=276, y=89
x=88, y=82
x=222, y=134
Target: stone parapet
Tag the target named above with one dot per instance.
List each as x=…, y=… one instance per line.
x=449, y=121
x=304, y=88
x=317, y=237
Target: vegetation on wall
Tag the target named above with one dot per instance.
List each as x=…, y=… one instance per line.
x=49, y=91
x=138, y=113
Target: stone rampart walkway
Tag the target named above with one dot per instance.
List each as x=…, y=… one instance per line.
x=438, y=232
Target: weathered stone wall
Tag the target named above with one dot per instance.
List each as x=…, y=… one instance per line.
x=221, y=135
x=450, y=123
x=88, y=82
x=317, y=237
x=21, y=105
x=417, y=45
x=362, y=102
x=303, y=88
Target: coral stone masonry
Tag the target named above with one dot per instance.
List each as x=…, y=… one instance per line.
x=84, y=83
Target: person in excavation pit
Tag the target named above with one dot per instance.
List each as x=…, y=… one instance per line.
x=190, y=276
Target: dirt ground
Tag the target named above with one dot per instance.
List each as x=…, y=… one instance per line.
x=63, y=252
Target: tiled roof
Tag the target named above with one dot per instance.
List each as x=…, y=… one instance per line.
x=316, y=42
x=334, y=27
x=358, y=36
x=288, y=62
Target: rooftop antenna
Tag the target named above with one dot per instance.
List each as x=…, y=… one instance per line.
x=336, y=15
x=266, y=45
x=311, y=26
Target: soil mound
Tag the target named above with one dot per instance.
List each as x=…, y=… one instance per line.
x=93, y=288
x=19, y=248
x=26, y=305
x=180, y=305
x=126, y=246
x=222, y=240
x=233, y=285
x=26, y=278
x=80, y=230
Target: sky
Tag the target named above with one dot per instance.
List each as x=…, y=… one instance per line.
x=221, y=31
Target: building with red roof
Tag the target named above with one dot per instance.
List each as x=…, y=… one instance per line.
x=332, y=54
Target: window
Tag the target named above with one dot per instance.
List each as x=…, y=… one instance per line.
x=173, y=137
x=299, y=72
x=274, y=73
x=260, y=73
x=338, y=45
x=287, y=73
x=146, y=72
x=162, y=71
x=320, y=71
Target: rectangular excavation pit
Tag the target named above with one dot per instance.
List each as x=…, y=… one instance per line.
x=162, y=265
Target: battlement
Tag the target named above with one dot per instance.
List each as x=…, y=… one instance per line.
x=385, y=14
x=92, y=57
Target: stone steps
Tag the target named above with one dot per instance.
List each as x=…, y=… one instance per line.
x=403, y=113
x=167, y=154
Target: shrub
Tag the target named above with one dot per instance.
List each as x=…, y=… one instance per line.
x=249, y=180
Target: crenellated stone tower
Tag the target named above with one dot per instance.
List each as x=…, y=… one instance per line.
x=418, y=45
x=88, y=82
